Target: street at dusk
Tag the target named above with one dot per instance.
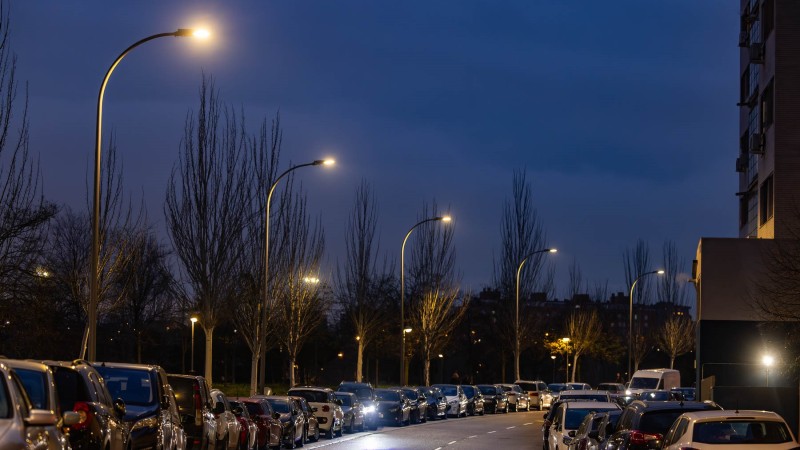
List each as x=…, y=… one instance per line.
x=361, y=224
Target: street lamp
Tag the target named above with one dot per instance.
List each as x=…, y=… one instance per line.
x=630, y=317
x=403, y=293
x=441, y=368
x=553, y=357
x=191, y=366
x=768, y=361
x=91, y=329
x=566, y=358
x=261, y=332
x=516, y=321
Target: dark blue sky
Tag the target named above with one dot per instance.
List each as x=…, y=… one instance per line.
x=623, y=113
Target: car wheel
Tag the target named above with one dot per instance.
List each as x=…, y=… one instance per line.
x=329, y=433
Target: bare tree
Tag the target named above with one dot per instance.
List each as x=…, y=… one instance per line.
x=23, y=210
x=584, y=330
x=433, y=285
x=147, y=284
x=300, y=307
x=642, y=343
x=576, y=284
x=636, y=262
x=359, y=277
x=522, y=235
x=676, y=337
x=600, y=291
x=672, y=288
x=206, y=210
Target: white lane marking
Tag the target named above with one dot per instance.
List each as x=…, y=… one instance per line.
x=473, y=436
x=438, y=448
x=529, y=423
x=492, y=432
x=451, y=442
x=508, y=428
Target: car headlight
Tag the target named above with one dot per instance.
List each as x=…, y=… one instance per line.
x=369, y=409
x=628, y=392
x=149, y=422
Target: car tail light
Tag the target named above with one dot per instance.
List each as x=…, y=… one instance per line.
x=640, y=438
x=534, y=394
x=326, y=408
x=85, y=414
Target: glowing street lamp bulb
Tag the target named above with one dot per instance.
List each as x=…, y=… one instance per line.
x=767, y=360
x=201, y=33
x=328, y=162
x=441, y=355
x=193, y=319
x=553, y=250
x=446, y=219
x=407, y=330
x=565, y=340
x=660, y=272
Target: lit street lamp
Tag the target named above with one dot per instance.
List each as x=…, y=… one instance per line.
x=191, y=366
x=630, y=317
x=768, y=361
x=566, y=358
x=553, y=357
x=261, y=331
x=403, y=293
x=516, y=322
x=91, y=329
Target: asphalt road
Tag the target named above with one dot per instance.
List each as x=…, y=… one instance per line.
x=522, y=430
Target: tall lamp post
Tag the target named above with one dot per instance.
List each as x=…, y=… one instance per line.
x=566, y=358
x=516, y=321
x=94, y=294
x=261, y=332
x=553, y=357
x=630, y=317
x=191, y=366
x=403, y=294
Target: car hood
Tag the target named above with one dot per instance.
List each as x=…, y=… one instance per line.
x=134, y=413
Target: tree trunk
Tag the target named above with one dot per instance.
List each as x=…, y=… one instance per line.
x=672, y=362
x=516, y=359
x=138, y=347
x=291, y=370
x=209, y=332
x=427, y=372
x=360, y=360
x=254, y=372
x=574, y=366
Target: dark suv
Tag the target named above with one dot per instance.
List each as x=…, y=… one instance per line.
x=151, y=410
x=366, y=395
x=195, y=407
x=643, y=424
x=81, y=389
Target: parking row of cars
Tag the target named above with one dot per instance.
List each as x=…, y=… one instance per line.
x=599, y=420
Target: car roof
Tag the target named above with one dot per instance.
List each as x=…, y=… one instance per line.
x=30, y=365
x=347, y=394
x=672, y=404
x=591, y=405
x=576, y=392
x=311, y=388
x=116, y=365
x=732, y=415
x=529, y=381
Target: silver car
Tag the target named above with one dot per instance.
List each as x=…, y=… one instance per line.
x=517, y=399
x=40, y=387
x=21, y=424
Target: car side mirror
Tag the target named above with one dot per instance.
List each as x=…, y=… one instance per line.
x=237, y=410
x=71, y=418
x=276, y=416
x=41, y=417
x=119, y=406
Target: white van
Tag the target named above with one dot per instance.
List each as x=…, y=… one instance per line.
x=646, y=380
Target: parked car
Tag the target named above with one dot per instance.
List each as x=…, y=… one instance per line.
x=456, y=400
x=598, y=396
x=228, y=427
x=293, y=422
x=580, y=386
x=495, y=398
x=353, y=411
x=687, y=392
x=325, y=406
x=659, y=395
x=535, y=391
x=150, y=408
x=269, y=427
x=195, y=407
x=248, y=429
x=393, y=406
x=643, y=424
x=366, y=395
x=437, y=403
x=739, y=429
x=550, y=415
x=23, y=426
x=40, y=388
x=517, y=401
x=612, y=388
x=419, y=404
x=475, y=403
x=312, y=424
x=82, y=389
x=588, y=435
x=568, y=417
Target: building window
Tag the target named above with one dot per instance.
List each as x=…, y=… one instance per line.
x=767, y=19
x=767, y=105
x=765, y=200
x=744, y=87
x=742, y=211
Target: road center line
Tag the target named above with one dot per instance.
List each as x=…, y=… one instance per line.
x=508, y=428
x=492, y=432
x=438, y=448
x=529, y=423
x=451, y=442
x=473, y=436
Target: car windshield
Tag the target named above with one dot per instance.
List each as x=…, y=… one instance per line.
x=557, y=387
x=655, y=396
x=488, y=390
x=741, y=432
x=528, y=386
x=449, y=390
x=346, y=400
x=184, y=393
x=132, y=385
x=659, y=421
x=387, y=396
x=310, y=395
x=576, y=415
x=469, y=391
x=254, y=409
x=70, y=387
x=644, y=383
x=35, y=383
x=279, y=406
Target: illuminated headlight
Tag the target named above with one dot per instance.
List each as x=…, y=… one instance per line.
x=628, y=392
x=150, y=422
x=369, y=409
